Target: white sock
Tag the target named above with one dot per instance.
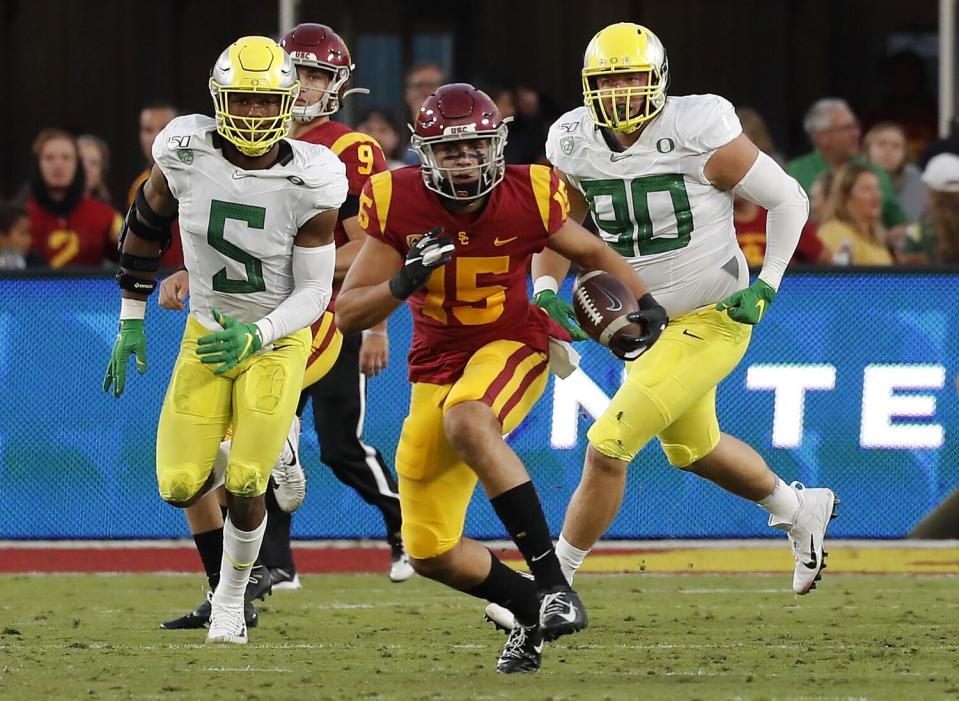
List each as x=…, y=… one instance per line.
x=782, y=504
x=570, y=558
x=240, y=549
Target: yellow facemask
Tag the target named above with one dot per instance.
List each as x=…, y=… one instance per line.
x=253, y=65
x=616, y=50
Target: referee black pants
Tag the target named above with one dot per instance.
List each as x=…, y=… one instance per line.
x=339, y=412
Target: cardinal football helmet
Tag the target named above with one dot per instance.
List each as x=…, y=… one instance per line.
x=318, y=46
x=625, y=48
x=250, y=65
x=459, y=112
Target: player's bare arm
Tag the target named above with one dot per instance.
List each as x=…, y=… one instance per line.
x=380, y=279
x=574, y=243
x=365, y=299
x=346, y=254
x=145, y=235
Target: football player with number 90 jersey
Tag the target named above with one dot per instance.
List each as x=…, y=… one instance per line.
x=658, y=175
x=256, y=214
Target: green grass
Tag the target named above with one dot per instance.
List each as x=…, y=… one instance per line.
x=360, y=637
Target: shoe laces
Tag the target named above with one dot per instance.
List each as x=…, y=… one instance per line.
x=233, y=617
x=555, y=603
x=516, y=642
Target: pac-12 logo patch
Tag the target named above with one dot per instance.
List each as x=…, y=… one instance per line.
x=185, y=155
x=566, y=143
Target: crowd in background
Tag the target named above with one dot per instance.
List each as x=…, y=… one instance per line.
x=879, y=198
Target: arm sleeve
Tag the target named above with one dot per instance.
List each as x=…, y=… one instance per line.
x=767, y=185
x=312, y=288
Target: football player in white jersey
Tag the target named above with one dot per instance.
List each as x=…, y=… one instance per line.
x=256, y=214
x=658, y=175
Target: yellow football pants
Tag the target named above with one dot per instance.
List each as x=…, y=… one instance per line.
x=670, y=391
x=258, y=397
x=435, y=484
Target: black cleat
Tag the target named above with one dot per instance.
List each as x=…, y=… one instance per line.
x=200, y=616
x=284, y=578
x=260, y=585
x=561, y=613
x=523, y=651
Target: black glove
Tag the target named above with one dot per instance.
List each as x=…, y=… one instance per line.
x=426, y=255
x=652, y=317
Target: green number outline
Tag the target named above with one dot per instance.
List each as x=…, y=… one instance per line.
x=621, y=226
x=254, y=218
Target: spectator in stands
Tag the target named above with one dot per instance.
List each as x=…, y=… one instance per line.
x=95, y=156
x=527, y=131
x=834, y=131
x=750, y=222
x=422, y=80
x=15, y=238
x=153, y=118
x=936, y=238
x=945, y=144
x=68, y=228
x=379, y=124
x=754, y=126
x=853, y=228
x=885, y=145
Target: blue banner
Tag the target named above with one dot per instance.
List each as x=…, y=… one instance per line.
x=850, y=383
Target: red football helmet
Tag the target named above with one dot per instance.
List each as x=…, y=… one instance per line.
x=318, y=46
x=454, y=113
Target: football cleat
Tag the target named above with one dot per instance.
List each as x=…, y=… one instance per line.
x=260, y=585
x=561, y=613
x=500, y=616
x=817, y=507
x=523, y=651
x=401, y=568
x=200, y=617
x=227, y=625
x=285, y=579
x=289, y=480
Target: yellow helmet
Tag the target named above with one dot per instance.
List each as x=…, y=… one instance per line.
x=625, y=48
x=253, y=65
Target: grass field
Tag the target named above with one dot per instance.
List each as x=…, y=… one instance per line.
x=360, y=637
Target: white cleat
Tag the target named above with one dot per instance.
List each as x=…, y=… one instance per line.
x=500, y=616
x=227, y=625
x=401, y=568
x=807, y=532
x=289, y=480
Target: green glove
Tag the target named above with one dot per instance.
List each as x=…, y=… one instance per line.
x=748, y=306
x=228, y=348
x=561, y=312
x=130, y=340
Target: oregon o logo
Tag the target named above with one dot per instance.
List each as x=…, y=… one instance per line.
x=665, y=145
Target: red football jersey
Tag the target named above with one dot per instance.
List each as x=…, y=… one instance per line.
x=85, y=237
x=360, y=153
x=751, y=236
x=480, y=296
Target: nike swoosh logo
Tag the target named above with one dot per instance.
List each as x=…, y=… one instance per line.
x=537, y=558
x=815, y=560
x=692, y=335
x=761, y=305
x=502, y=242
x=237, y=175
x=538, y=648
x=613, y=157
x=569, y=616
x=614, y=304
x=249, y=342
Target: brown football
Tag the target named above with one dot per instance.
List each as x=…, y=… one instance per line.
x=601, y=304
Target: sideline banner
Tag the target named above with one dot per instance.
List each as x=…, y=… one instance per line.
x=850, y=382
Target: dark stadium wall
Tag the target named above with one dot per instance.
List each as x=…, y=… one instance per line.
x=89, y=65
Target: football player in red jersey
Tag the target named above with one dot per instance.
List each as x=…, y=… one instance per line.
x=338, y=366
x=480, y=350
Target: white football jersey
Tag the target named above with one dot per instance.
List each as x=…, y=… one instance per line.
x=652, y=202
x=237, y=226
